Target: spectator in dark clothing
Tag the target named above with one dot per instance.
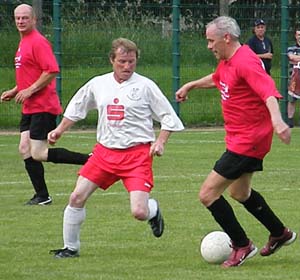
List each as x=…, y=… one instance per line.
x=261, y=44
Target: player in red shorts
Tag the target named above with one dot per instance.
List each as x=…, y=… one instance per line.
x=251, y=113
x=127, y=103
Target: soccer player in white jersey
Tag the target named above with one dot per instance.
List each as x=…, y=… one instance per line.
x=127, y=104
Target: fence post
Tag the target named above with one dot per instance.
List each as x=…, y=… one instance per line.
x=57, y=43
x=284, y=61
x=224, y=9
x=176, y=51
x=38, y=9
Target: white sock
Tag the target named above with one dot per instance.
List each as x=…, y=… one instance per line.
x=152, y=204
x=73, y=218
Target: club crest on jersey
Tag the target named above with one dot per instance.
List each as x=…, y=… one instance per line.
x=134, y=94
x=224, y=91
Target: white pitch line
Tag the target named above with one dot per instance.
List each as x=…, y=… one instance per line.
x=110, y=193
x=193, y=175
x=3, y=183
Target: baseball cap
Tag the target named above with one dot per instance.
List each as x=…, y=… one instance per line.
x=259, y=21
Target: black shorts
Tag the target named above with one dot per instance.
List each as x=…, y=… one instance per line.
x=232, y=165
x=38, y=124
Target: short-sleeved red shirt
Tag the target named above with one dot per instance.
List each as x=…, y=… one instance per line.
x=244, y=87
x=34, y=56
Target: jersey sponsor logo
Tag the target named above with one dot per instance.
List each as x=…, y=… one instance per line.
x=224, y=91
x=18, y=61
x=115, y=112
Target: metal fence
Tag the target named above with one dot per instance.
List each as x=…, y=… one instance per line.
x=81, y=33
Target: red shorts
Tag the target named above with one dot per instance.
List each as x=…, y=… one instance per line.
x=133, y=166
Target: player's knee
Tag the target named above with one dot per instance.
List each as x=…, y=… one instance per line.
x=77, y=200
x=139, y=213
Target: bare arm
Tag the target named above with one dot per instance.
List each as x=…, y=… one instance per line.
x=9, y=94
x=39, y=84
x=157, y=148
x=267, y=55
x=205, y=82
x=281, y=128
x=294, y=58
x=55, y=134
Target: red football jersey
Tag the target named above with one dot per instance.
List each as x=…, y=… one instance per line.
x=35, y=55
x=245, y=87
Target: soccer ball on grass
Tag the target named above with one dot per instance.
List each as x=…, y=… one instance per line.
x=215, y=247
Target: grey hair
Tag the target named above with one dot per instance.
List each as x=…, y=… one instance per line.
x=226, y=25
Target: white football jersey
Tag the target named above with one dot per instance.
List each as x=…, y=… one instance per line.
x=125, y=110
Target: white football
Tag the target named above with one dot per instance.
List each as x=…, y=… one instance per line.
x=215, y=247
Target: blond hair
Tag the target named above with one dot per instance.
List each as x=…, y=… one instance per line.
x=125, y=44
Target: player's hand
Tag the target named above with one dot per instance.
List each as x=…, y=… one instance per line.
x=23, y=95
x=181, y=94
x=7, y=96
x=284, y=133
x=157, y=149
x=53, y=137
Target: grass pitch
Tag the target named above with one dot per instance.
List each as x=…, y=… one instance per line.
x=114, y=246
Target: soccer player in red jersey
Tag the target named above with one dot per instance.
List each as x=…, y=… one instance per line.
x=251, y=114
x=36, y=69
